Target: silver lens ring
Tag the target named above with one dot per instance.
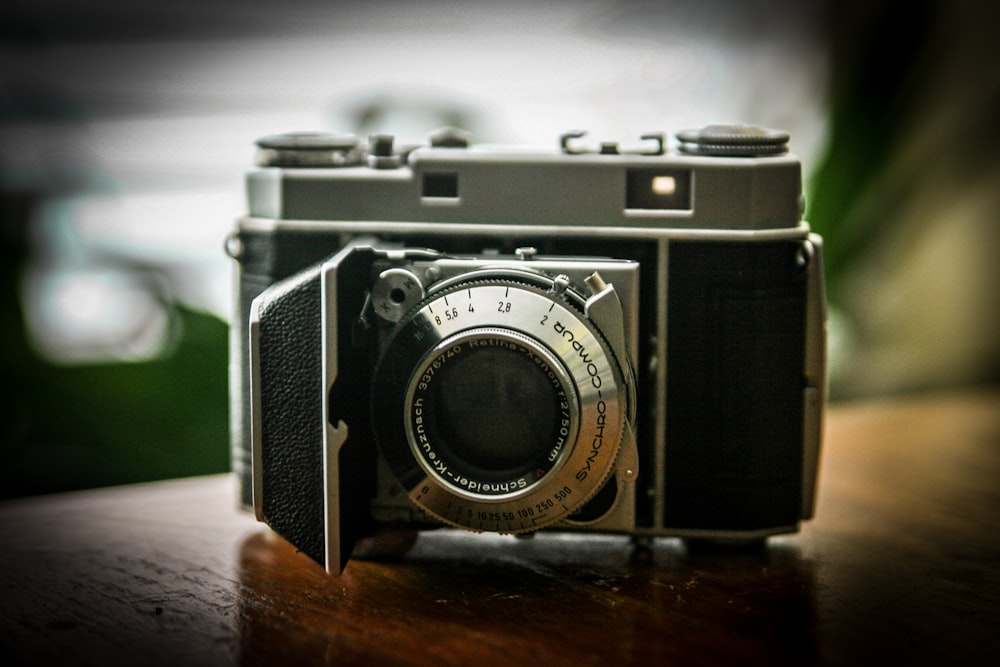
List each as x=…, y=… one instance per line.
x=531, y=322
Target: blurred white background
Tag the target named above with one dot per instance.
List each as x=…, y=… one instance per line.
x=135, y=121
x=154, y=106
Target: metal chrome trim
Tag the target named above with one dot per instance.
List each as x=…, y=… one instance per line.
x=334, y=437
x=525, y=231
x=660, y=390
x=256, y=426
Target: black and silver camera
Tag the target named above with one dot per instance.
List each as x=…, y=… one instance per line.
x=609, y=338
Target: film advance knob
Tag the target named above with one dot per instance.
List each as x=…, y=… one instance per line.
x=733, y=141
x=309, y=149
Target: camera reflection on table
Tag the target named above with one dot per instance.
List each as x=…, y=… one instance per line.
x=558, y=598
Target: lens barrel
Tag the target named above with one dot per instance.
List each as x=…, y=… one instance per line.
x=498, y=406
x=491, y=412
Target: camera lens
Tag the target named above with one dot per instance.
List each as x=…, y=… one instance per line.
x=490, y=411
x=496, y=405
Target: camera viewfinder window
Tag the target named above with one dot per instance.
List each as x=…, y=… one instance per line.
x=441, y=185
x=658, y=189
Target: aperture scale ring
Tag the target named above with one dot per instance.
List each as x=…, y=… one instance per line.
x=562, y=330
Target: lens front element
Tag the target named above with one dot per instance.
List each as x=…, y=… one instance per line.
x=490, y=412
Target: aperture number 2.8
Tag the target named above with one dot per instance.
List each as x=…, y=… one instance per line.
x=452, y=313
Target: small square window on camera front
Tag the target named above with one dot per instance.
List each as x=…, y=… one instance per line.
x=658, y=189
x=441, y=185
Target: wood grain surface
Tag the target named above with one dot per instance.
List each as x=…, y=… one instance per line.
x=901, y=564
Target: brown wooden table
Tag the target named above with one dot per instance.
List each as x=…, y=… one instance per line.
x=901, y=565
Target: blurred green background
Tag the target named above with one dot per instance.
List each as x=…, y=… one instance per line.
x=125, y=130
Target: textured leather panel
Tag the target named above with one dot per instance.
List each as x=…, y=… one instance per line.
x=292, y=412
x=734, y=409
x=264, y=259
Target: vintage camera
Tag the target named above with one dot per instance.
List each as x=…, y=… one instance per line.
x=607, y=338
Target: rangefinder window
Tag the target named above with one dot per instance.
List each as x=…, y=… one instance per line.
x=440, y=185
x=658, y=189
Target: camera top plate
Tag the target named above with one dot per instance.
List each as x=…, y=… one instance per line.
x=703, y=186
